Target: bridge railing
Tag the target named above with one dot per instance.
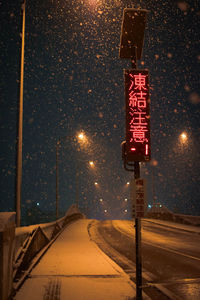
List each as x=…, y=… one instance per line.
x=22, y=233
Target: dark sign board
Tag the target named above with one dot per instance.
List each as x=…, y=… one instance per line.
x=137, y=115
x=132, y=32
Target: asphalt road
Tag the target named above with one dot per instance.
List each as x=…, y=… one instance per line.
x=170, y=256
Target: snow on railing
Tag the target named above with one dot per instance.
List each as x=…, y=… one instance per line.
x=22, y=233
x=159, y=211
x=24, y=244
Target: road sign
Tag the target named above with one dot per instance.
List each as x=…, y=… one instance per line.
x=138, y=194
x=137, y=115
x=132, y=33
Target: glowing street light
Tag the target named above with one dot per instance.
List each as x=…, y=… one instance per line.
x=83, y=140
x=81, y=136
x=183, y=137
x=91, y=163
x=96, y=183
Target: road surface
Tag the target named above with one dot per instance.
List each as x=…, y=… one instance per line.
x=170, y=255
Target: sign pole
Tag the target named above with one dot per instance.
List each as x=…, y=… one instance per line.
x=138, y=244
x=137, y=220
x=136, y=148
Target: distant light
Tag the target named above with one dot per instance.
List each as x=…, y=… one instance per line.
x=128, y=183
x=183, y=136
x=101, y=200
x=38, y=203
x=149, y=205
x=96, y=183
x=91, y=163
x=160, y=205
x=105, y=210
x=82, y=137
x=126, y=199
x=125, y=210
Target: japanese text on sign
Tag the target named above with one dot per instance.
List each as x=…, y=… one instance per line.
x=137, y=115
x=140, y=198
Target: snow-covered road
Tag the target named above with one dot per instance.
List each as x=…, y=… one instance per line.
x=170, y=253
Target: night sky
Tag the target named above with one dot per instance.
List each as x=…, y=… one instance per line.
x=73, y=81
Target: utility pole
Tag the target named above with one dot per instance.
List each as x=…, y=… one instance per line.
x=57, y=179
x=20, y=127
x=77, y=186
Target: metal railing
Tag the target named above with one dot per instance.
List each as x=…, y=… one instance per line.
x=21, y=246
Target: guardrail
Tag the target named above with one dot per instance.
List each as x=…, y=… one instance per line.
x=19, y=247
x=177, y=218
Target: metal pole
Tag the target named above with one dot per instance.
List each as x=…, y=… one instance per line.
x=20, y=127
x=57, y=183
x=77, y=187
x=153, y=188
x=137, y=220
x=138, y=244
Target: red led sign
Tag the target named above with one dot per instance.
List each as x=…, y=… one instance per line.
x=137, y=115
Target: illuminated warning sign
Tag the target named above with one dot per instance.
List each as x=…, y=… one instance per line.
x=137, y=115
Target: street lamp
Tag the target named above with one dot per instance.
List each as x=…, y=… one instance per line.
x=20, y=127
x=82, y=138
x=91, y=163
x=183, y=137
x=57, y=170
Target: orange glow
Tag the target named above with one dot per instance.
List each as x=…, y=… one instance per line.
x=183, y=137
x=91, y=163
x=81, y=136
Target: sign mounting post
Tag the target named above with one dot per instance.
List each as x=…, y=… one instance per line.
x=137, y=147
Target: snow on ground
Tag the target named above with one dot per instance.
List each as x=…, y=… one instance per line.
x=127, y=226
x=74, y=268
x=169, y=235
